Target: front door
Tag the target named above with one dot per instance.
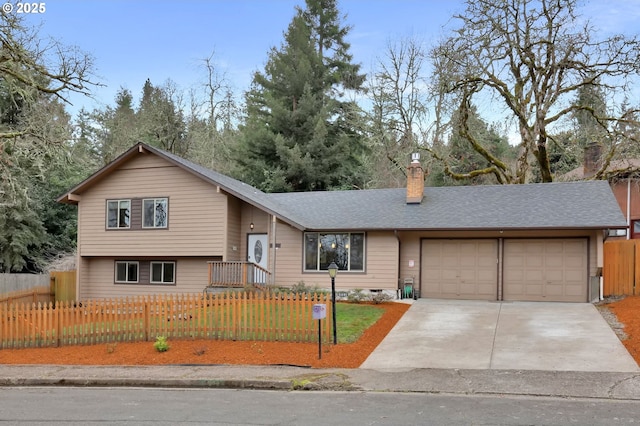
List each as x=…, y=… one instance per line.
x=257, y=249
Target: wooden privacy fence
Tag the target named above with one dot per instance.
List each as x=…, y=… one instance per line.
x=11, y=283
x=228, y=316
x=40, y=294
x=621, y=269
x=63, y=285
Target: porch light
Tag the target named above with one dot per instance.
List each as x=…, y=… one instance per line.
x=333, y=271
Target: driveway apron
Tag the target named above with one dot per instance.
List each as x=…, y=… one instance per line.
x=469, y=334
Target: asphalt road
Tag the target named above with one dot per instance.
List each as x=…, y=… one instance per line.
x=144, y=406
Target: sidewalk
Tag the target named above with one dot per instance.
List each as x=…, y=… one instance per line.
x=610, y=385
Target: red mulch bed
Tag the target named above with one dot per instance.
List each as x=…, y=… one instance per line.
x=627, y=311
x=215, y=351
x=350, y=355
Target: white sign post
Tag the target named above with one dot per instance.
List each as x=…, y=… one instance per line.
x=319, y=313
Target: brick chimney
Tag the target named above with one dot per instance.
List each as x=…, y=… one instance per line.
x=592, y=159
x=415, y=180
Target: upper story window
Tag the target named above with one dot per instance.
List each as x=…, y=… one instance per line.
x=154, y=212
x=345, y=249
x=118, y=214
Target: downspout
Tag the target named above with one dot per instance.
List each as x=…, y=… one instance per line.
x=273, y=249
x=398, y=289
x=628, y=208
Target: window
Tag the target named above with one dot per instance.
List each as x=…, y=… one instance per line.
x=346, y=249
x=154, y=212
x=127, y=272
x=118, y=214
x=163, y=272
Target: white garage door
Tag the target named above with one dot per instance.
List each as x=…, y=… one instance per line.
x=553, y=270
x=460, y=269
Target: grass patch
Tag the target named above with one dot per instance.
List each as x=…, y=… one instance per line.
x=353, y=319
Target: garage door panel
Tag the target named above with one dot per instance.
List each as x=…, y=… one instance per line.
x=448, y=274
x=486, y=277
x=467, y=276
x=459, y=269
x=555, y=261
x=554, y=276
x=575, y=261
x=545, y=270
x=532, y=290
x=573, y=290
x=554, y=290
x=574, y=277
x=533, y=261
x=450, y=261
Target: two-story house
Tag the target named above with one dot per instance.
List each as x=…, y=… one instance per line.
x=152, y=222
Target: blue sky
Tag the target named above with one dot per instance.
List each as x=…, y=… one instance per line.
x=135, y=40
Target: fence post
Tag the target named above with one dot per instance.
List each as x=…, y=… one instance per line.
x=57, y=309
x=147, y=315
x=52, y=287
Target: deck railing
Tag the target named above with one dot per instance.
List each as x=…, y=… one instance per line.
x=237, y=274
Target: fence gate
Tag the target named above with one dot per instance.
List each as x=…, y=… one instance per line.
x=621, y=271
x=63, y=285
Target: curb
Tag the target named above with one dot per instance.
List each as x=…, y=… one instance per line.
x=155, y=383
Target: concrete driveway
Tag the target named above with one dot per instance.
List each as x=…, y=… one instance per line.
x=502, y=336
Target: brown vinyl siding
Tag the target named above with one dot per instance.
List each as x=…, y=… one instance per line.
x=234, y=246
x=288, y=268
x=144, y=273
x=381, y=260
x=260, y=220
x=197, y=213
x=136, y=214
x=191, y=277
x=83, y=267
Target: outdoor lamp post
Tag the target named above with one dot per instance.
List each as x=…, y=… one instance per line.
x=333, y=270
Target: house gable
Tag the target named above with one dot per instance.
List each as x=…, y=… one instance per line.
x=197, y=212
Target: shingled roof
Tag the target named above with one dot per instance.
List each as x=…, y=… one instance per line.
x=568, y=205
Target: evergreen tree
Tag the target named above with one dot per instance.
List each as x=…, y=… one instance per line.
x=300, y=133
x=119, y=129
x=160, y=118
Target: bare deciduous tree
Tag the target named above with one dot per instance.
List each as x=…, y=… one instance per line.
x=398, y=91
x=531, y=58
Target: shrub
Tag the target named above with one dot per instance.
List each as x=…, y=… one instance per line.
x=358, y=296
x=302, y=288
x=161, y=344
x=380, y=297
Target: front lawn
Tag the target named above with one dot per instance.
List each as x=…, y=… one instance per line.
x=353, y=319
